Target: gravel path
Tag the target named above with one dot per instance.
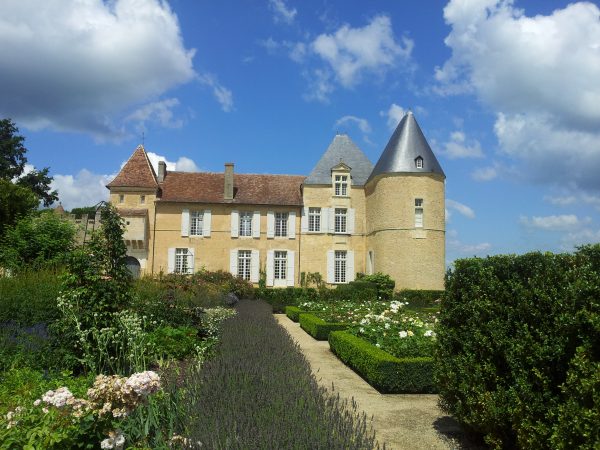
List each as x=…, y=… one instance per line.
x=402, y=421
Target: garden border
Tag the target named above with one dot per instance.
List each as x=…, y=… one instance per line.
x=317, y=327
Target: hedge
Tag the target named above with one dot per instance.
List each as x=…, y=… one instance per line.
x=279, y=298
x=293, y=312
x=383, y=371
x=518, y=357
x=419, y=298
x=317, y=327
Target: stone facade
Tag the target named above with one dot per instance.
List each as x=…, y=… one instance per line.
x=383, y=220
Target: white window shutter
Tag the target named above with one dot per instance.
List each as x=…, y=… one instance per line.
x=233, y=255
x=304, y=220
x=235, y=223
x=330, y=266
x=185, y=222
x=171, y=261
x=331, y=220
x=206, y=223
x=191, y=260
x=292, y=225
x=290, y=268
x=270, y=262
x=254, y=266
x=256, y=225
x=350, y=274
x=324, y=220
x=270, y=224
x=350, y=225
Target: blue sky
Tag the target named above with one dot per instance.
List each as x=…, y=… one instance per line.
x=506, y=92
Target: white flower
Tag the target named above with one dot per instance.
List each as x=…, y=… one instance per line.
x=37, y=402
x=387, y=326
x=143, y=383
x=362, y=330
x=114, y=440
x=429, y=333
x=403, y=334
x=58, y=398
x=377, y=345
x=410, y=333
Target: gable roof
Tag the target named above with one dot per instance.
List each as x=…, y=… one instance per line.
x=405, y=146
x=137, y=172
x=341, y=150
x=248, y=189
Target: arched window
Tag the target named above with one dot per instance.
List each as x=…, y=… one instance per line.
x=419, y=162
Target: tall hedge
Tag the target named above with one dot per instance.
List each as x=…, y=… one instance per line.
x=518, y=356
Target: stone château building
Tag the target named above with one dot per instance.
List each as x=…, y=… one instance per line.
x=345, y=217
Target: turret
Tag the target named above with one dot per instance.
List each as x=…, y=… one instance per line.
x=405, y=203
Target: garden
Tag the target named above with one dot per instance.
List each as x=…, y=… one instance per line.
x=90, y=358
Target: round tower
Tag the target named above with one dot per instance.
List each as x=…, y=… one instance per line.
x=405, y=205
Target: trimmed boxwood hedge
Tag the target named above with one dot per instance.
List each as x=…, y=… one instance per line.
x=518, y=357
x=279, y=298
x=317, y=327
x=383, y=371
x=293, y=312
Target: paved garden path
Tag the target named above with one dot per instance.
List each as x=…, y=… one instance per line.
x=401, y=421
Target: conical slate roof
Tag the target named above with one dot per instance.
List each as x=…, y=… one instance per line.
x=137, y=172
x=405, y=146
x=341, y=150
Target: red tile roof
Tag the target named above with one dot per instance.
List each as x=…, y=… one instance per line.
x=137, y=172
x=249, y=189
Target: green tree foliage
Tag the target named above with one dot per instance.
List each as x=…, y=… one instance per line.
x=15, y=202
x=18, y=190
x=89, y=210
x=12, y=151
x=36, y=241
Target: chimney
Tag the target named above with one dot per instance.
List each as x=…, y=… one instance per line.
x=162, y=171
x=228, y=192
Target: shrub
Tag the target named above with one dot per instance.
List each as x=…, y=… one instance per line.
x=518, y=354
x=290, y=296
x=169, y=342
x=383, y=283
x=384, y=372
x=259, y=392
x=30, y=297
x=293, y=312
x=317, y=327
x=356, y=291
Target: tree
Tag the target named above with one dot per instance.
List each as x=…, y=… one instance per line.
x=37, y=240
x=15, y=202
x=12, y=151
x=18, y=190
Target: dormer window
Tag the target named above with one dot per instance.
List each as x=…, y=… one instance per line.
x=419, y=162
x=341, y=185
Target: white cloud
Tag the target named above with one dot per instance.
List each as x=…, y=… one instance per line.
x=574, y=198
x=160, y=112
x=83, y=189
x=540, y=75
x=459, y=147
x=460, y=208
x=484, y=173
x=81, y=66
x=352, y=52
x=362, y=124
x=581, y=237
x=282, y=13
x=320, y=85
x=561, y=200
x=183, y=164
x=221, y=93
x=456, y=246
x=394, y=115
x=563, y=222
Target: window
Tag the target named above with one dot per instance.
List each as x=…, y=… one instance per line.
x=196, y=223
x=142, y=199
x=314, y=219
x=280, y=265
x=418, y=213
x=281, y=222
x=121, y=198
x=245, y=224
x=183, y=263
x=341, y=185
x=340, y=220
x=244, y=262
x=419, y=162
x=340, y=266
